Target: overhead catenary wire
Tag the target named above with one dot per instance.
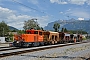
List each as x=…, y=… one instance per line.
x=28, y=6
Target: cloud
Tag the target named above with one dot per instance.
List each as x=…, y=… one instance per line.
x=77, y=2
x=68, y=9
x=10, y=17
x=58, y=1
x=78, y=12
x=43, y=20
x=88, y=2
x=80, y=18
x=61, y=12
x=5, y=13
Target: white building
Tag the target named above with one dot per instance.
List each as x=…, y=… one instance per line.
x=2, y=40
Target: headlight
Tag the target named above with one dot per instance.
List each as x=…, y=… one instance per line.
x=17, y=41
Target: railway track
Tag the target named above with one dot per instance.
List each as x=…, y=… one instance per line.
x=33, y=49
x=3, y=47
x=9, y=48
x=88, y=58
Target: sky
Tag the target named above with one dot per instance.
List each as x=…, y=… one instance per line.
x=15, y=12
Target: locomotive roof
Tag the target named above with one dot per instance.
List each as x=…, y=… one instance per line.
x=66, y=34
x=33, y=30
x=53, y=32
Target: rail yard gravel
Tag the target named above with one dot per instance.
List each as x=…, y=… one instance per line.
x=73, y=52
x=4, y=45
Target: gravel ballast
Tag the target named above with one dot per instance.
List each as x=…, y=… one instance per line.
x=74, y=52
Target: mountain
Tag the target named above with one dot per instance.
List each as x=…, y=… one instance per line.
x=12, y=28
x=71, y=25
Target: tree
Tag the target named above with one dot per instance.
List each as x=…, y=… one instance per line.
x=20, y=31
x=65, y=30
x=62, y=30
x=31, y=24
x=77, y=32
x=56, y=27
x=4, y=29
x=42, y=28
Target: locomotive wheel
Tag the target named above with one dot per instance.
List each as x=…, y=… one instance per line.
x=41, y=43
x=36, y=44
x=56, y=42
x=53, y=42
x=61, y=42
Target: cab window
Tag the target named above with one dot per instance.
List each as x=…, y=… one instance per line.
x=35, y=32
x=40, y=33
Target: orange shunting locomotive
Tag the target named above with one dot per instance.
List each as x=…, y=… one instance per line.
x=30, y=38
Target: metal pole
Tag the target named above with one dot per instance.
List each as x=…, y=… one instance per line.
x=36, y=23
x=68, y=17
x=63, y=30
x=3, y=32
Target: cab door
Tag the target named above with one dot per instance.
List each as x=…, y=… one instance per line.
x=40, y=36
